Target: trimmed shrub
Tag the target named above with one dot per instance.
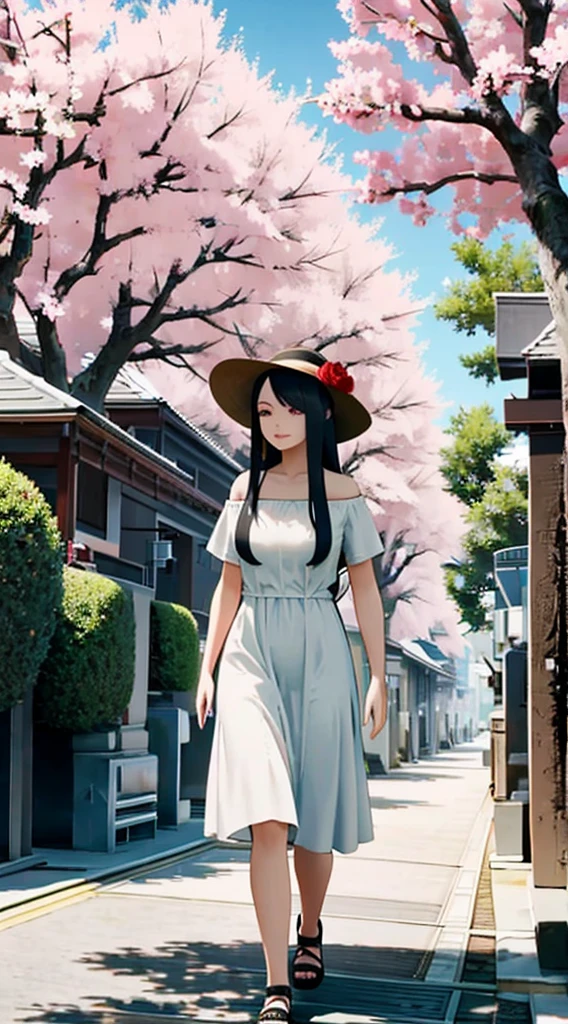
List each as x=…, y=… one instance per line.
x=87, y=679
x=174, y=647
x=31, y=561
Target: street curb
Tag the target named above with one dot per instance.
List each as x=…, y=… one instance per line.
x=67, y=892
x=454, y=925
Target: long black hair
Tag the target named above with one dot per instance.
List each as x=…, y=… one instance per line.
x=306, y=393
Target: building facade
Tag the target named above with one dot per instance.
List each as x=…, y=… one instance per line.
x=527, y=348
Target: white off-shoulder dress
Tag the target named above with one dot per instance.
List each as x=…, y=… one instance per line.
x=287, y=742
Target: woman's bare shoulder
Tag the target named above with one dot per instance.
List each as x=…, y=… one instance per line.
x=340, y=485
x=239, y=487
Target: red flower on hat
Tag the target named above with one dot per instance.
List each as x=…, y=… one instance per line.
x=335, y=375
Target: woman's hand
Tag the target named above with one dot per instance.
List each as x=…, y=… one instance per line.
x=204, y=697
x=376, y=705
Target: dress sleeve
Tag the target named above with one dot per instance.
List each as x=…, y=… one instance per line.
x=360, y=538
x=221, y=543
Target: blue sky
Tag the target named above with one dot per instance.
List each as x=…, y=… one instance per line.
x=291, y=39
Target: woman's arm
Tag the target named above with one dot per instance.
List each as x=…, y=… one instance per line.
x=370, y=613
x=371, y=618
x=226, y=596
x=224, y=604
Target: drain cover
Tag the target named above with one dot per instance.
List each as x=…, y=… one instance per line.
x=341, y=1000
x=346, y=999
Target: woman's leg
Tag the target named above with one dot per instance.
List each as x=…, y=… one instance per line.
x=270, y=886
x=313, y=871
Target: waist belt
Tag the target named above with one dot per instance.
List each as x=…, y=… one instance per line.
x=322, y=596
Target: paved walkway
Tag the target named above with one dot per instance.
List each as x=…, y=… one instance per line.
x=181, y=941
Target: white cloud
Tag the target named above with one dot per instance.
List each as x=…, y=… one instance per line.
x=517, y=454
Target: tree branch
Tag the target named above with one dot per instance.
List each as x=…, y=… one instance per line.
x=93, y=383
x=195, y=313
x=430, y=187
x=180, y=109
x=152, y=77
x=225, y=124
x=23, y=133
x=418, y=114
x=356, y=332
x=540, y=119
x=100, y=245
x=466, y=115
x=455, y=34
x=357, y=457
x=157, y=350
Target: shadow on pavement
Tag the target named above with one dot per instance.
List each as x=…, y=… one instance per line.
x=206, y=978
x=213, y=863
x=402, y=774
x=383, y=803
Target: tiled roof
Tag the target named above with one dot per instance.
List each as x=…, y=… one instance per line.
x=413, y=649
x=132, y=386
x=22, y=392
x=545, y=346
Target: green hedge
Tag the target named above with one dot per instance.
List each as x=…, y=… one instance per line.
x=31, y=560
x=87, y=678
x=174, y=647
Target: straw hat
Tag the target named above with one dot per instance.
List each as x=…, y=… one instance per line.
x=232, y=382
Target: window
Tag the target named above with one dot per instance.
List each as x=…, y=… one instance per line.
x=148, y=436
x=92, y=499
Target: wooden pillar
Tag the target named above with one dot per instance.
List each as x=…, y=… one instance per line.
x=549, y=834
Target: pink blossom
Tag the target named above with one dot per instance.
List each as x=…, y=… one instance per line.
x=14, y=183
x=33, y=158
x=49, y=305
x=249, y=178
x=497, y=72
x=31, y=215
x=554, y=51
x=363, y=95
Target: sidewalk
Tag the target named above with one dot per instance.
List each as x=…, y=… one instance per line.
x=66, y=869
x=180, y=941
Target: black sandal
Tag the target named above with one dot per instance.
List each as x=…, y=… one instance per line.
x=276, y=1013
x=302, y=950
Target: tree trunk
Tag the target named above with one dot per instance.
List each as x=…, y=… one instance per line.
x=11, y=267
x=556, y=284
x=92, y=384
x=54, y=361
x=9, y=340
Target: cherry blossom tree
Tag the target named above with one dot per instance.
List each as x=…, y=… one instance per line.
x=482, y=117
x=166, y=206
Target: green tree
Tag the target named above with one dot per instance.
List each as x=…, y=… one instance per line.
x=31, y=563
x=496, y=496
x=469, y=303
x=468, y=463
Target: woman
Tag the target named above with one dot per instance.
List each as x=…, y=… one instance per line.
x=287, y=763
